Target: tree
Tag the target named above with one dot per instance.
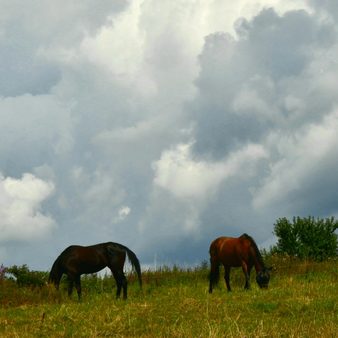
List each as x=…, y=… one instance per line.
x=307, y=237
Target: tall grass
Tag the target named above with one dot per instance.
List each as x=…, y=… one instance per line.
x=300, y=302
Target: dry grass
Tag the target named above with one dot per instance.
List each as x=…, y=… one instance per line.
x=301, y=302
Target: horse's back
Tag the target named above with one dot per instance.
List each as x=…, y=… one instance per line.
x=84, y=259
x=222, y=243
x=228, y=250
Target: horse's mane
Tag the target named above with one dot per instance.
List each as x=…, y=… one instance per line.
x=254, y=245
x=55, y=271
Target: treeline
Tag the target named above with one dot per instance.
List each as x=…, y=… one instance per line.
x=301, y=238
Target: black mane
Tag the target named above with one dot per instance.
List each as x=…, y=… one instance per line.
x=254, y=245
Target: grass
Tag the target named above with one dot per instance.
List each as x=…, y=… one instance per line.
x=300, y=302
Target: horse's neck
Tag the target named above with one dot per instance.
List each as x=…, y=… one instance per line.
x=258, y=265
x=258, y=262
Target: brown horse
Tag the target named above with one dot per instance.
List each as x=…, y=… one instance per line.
x=237, y=252
x=77, y=260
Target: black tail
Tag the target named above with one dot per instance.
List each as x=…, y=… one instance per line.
x=214, y=267
x=214, y=274
x=135, y=263
x=132, y=258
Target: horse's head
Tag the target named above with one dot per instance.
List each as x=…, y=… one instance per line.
x=263, y=278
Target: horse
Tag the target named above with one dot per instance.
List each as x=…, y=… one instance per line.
x=237, y=252
x=76, y=260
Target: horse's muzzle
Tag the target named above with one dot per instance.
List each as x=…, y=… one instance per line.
x=264, y=286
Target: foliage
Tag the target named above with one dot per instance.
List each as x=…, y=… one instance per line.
x=306, y=237
x=3, y=270
x=25, y=277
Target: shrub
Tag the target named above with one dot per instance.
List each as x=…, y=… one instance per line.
x=306, y=237
x=3, y=271
x=25, y=277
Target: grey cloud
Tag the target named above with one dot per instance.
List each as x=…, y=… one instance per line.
x=244, y=85
x=28, y=31
x=272, y=83
x=281, y=46
x=101, y=132
x=35, y=130
x=24, y=73
x=329, y=7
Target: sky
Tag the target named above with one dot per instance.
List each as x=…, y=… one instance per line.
x=162, y=125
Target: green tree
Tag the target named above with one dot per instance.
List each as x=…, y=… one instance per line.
x=307, y=237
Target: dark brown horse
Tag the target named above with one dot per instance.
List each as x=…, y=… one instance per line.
x=237, y=252
x=77, y=260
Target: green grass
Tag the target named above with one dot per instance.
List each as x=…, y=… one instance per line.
x=300, y=302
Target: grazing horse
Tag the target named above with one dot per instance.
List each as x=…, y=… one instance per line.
x=77, y=260
x=237, y=252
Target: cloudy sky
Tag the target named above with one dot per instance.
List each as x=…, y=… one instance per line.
x=163, y=124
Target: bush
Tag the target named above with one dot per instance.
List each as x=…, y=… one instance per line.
x=25, y=277
x=3, y=271
x=306, y=237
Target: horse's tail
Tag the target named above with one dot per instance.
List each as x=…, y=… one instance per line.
x=135, y=263
x=132, y=258
x=214, y=273
x=214, y=267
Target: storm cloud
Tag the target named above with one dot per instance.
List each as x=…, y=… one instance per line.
x=162, y=125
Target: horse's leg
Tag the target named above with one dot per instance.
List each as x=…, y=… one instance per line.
x=227, y=277
x=57, y=282
x=124, y=285
x=78, y=286
x=210, y=281
x=70, y=286
x=118, y=283
x=116, y=266
x=121, y=283
x=249, y=271
x=246, y=274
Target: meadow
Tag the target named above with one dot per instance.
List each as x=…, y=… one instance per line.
x=301, y=301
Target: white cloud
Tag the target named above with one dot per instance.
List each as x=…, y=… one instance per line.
x=302, y=157
x=178, y=172
x=21, y=216
x=122, y=57
x=122, y=214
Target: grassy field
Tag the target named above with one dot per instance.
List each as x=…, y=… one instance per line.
x=300, y=302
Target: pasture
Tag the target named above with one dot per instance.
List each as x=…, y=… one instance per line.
x=301, y=301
